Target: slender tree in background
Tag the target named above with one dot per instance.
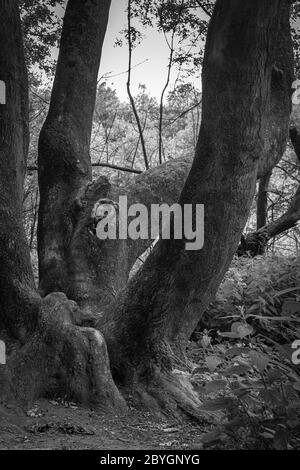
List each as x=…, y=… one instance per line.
x=60, y=345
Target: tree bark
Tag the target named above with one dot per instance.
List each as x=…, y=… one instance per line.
x=277, y=122
x=18, y=302
x=163, y=302
x=64, y=163
x=49, y=352
x=71, y=259
x=147, y=324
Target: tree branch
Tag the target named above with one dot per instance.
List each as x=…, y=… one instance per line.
x=129, y=90
x=104, y=165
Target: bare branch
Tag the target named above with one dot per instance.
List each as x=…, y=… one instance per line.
x=128, y=86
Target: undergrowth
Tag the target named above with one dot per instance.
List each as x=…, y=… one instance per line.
x=248, y=348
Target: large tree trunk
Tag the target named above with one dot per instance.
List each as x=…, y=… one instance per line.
x=163, y=302
x=64, y=160
x=18, y=302
x=48, y=351
x=71, y=259
x=277, y=115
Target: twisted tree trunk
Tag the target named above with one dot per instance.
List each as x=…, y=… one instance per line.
x=64, y=163
x=157, y=312
x=19, y=303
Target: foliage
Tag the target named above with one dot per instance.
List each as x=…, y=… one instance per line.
x=41, y=27
x=248, y=381
x=186, y=19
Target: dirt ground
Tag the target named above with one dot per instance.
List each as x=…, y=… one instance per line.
x=65, y=426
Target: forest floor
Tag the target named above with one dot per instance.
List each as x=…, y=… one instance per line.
x=55, y=425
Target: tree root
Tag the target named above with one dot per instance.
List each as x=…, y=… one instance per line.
x=62, y=359
x=170, y=394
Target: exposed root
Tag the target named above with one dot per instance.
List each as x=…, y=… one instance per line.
x=170, y=394
x=62, y=359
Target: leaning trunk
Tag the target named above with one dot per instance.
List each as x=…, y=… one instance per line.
x=48, y=351
x=162, y=304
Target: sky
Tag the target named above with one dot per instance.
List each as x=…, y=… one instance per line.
x=149, y=60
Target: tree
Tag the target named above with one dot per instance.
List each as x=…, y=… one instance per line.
x=255, y=243
x=58, y=345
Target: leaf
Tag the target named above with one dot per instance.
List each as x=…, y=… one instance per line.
x=218, y=404
x=213, y=437
x=228, y=334
x=205, y=341
x=213, y=362
x=236, y=351
x=285, y=350
x=259, y=360
x=290, y=307
x=296, y=386
x=286, y=291
x=267, y=434
x=242, y=329
x=236, y=370
x=215, y=386
x=241, y=392
x=273, y=375
x=281, y=440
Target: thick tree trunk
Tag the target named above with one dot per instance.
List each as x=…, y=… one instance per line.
x=64, y=161
x=163, y=302
x=277, y=115
x=71, y=259
x=18, y=302
x=152, y=318
x=48, y=349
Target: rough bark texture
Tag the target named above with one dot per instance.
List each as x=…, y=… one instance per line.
x=49, y=351
x=276, y=124
x=64, y=161
x=164, y=301
x=18, y=301
x=255, y=243
x=103, y=266
x=71, y=259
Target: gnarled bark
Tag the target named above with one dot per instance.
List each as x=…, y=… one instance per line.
x=19, y=303
x=71, y=259
x=163, y=302
x=148, y=323
x=64, y=161
x=49, y=351
x=277, y=115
